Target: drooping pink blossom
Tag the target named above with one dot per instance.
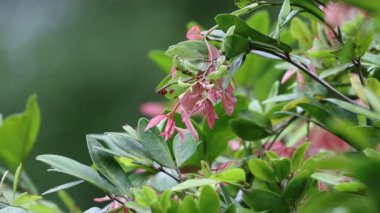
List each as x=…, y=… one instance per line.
x=155, y=121
x=151, y=109
x=208, y=112
x=228, y=100
x=300, y=79
x=200, y=97
x=337, y=14
x=194, y=33
x=186, y=120
x=189, y=101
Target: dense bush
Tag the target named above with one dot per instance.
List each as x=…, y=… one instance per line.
x=260, y=118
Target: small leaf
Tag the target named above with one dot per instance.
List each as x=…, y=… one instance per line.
x=284, y=12
x=63, y=187
x=251, y=126
x=350, y=187
x=354, y=108
x=282, y=167
x=25, y=198
x=81, y=171
x=299, y=156
x=296, y=188
x=191, y=50
x=261, y=170
x=192, y=183
x=165, y=200
x=16, y=180
x=234, y=45
x=184, y=148
x=301, y=32
x=243, y=3
x=264, y=200
x=107, y=165
x=372, y=153
x=328, y=178
x=209, y=200
x=154, y=144
x=18, y=134
x=69, y=202
x=225, y=21
x=188, y=205
x=161, y=59
x=206, y=170
x=145, y=196
x=358, y=87
x=233, y=175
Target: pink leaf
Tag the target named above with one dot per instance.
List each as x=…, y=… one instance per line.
x=288, y=74
x=155, y=121
x=194, y=33
x=209, y=113
x=151, y=109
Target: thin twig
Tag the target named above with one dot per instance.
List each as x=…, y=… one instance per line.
x=282, y=128
x=161, y=169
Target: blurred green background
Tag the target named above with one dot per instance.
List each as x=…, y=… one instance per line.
x=87, y=62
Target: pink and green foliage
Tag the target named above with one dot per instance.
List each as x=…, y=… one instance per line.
x=262, y=117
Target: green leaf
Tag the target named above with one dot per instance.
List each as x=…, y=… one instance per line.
x=301, y=32
x=145, y=196
x=18, y=134
x=372, y=153
x=350, y=187
x=3, y=179
x=282, y=167
x=25, y=198
x=184, y=148
x=161, y=59
x=107, y=165
x=262, y=170
x=154, y=144
x=328, y=178
x=225, y=21
x=191, y=49
x=299, y=156
x=259, y=21
x=209, y=200
x=310, y=7
x=165, y=200
x=296, y=188
x=69, y=202
x=192, y=183
x=234, y=45
x=354, y=108
x=63, y=187
x=263, y=200
x=206, y=170
x=243, y=3
x=284, y=12
x=188, y=205
x=334, y=70
x=16, y=180
x=251, y=126
x=78, y=170
x=233, y=175
x=127, y=144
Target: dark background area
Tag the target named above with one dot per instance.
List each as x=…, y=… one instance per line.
x=87, y=62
